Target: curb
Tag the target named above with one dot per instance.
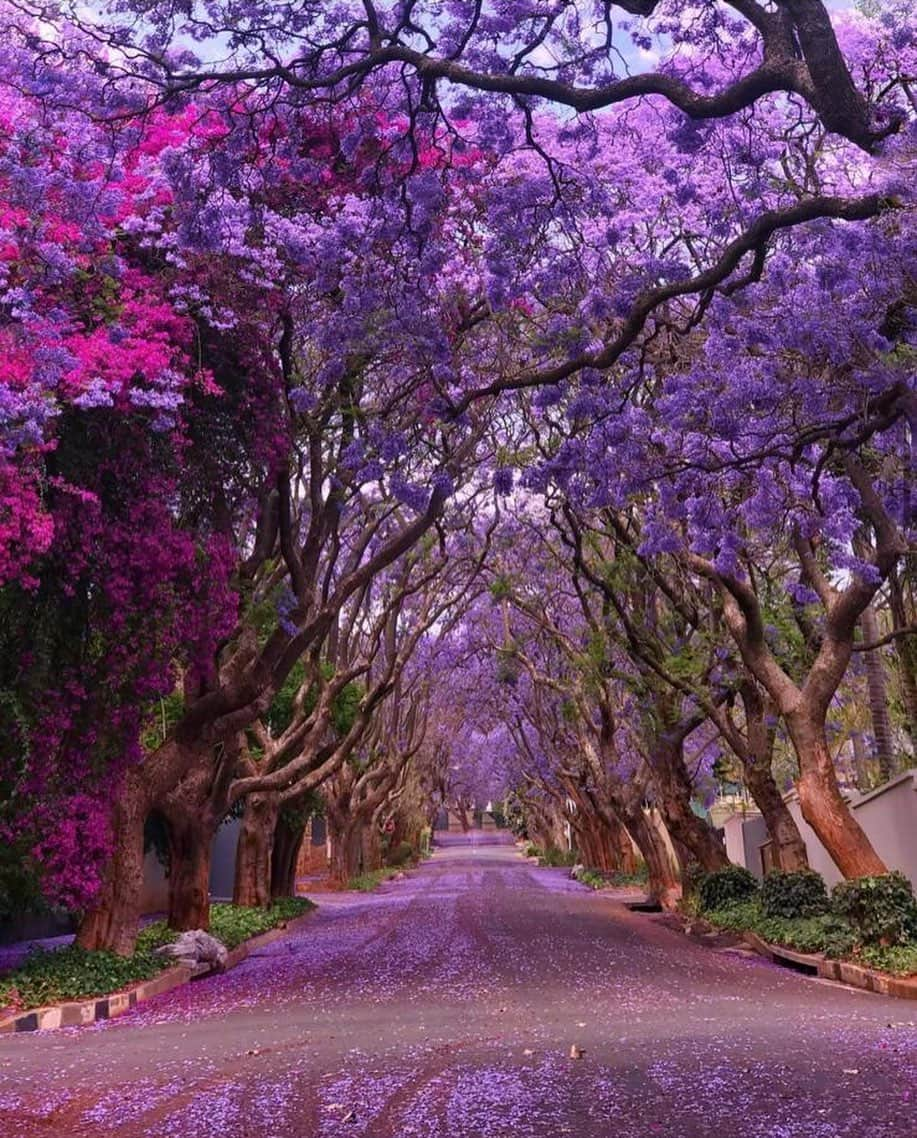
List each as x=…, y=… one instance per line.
x=883, y=984
x=79, y=1013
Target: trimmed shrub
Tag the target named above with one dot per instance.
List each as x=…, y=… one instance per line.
x=401, y=854
x=882, y=908
x=797, y=893
x=725, y=887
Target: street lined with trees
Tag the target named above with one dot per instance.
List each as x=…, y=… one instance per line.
x=410, y=408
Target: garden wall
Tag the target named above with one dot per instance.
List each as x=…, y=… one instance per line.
x=887, y=814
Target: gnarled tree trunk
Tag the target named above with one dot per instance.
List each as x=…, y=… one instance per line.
x=823, y=805
x=663, y=884
x=254, y=850
x=789, y=848
x=877, y=686
x=112, y=923
x=346, y=848
x=674, y=791
x=288, y=839
x=190, y=845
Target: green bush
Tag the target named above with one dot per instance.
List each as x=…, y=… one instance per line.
x=48, y=977
x=901, y=959
x=591, y=877
x=825, y=932
x=798, y=893
x=531, y=850
x=554, y=857
x=72, y=973
x=724, y=887
x=882, y=908
x=401, y=854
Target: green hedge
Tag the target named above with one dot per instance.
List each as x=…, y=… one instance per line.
x=725, y=887
x=882, y=909
x=796, y=893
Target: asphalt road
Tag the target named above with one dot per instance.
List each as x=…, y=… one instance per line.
x=445, y=1005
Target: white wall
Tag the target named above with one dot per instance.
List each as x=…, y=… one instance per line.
x=888, y=815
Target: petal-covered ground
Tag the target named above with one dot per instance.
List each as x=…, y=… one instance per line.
x=446, y=1005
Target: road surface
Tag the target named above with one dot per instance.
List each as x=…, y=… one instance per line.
x=445, y=1006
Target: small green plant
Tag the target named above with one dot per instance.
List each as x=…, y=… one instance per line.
x=900, y=959
x=882, y=908
x=531, y=850
x=724, y=887
x=554, y=857
x=640, y=876
x=367, y=882
x=799, y=893
x=591, y=877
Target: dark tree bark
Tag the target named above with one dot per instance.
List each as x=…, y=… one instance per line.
x=877, y=686
x=190, y=844
x=254, y=850
x=675, y=793
x=288, y=839
x=112, y=922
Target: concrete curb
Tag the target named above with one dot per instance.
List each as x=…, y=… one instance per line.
x=79, y=1013
x=901, y=987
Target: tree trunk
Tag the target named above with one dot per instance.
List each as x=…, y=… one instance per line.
x=623, y=856
x=823, y=805
x=346, y=850
x=190, y=844
x=877, y=686
x=252, y=885
x=371, y=848
x=112, y=923
x=675, y=793
x=288, y=838
x=906, y=655
x=861, y=761
x=789, y=848
x=663, y=884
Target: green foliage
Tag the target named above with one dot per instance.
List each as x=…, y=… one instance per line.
x=401, y=854
x=48, y=977
x=367, y=882
x=531, y=850
x=72, y=973
x=594, y=878
x=501, y=588
x=280, y=713
x=554, y=857
x=900, y=959
x=825, y=932
x=164, y=714
x=20, y=890
x=345, y=708
x=882, y=909
x=640, y=876
x=800, y=893
x=725, y=887
x=232, y=924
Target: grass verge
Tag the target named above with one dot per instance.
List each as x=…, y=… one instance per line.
x=828, y=934
x=367, y=882
x=72, y=973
